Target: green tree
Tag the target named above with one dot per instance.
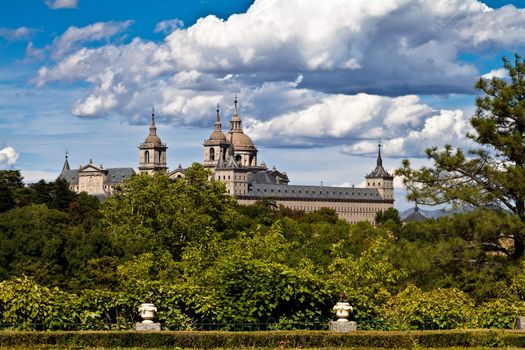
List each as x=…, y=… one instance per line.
x=389, y=214
x=10, y=185
x=153, y=213
x=492, y=174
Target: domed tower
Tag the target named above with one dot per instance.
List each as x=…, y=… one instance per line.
x=379, y=178
x=152, y=151
x=245, y=151
x=216, y=146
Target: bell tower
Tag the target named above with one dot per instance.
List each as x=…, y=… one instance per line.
x=379, y=178
x=152, y=152
x=215, y=147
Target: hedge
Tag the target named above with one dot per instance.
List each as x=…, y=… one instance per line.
x=286, y=339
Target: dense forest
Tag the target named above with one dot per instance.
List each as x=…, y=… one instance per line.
x=67, y=259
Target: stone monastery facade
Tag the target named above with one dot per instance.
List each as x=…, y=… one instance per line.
x=231, y=159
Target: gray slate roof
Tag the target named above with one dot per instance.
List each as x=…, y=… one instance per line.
x=114, y=175
x=265, y=177
x=312, y=192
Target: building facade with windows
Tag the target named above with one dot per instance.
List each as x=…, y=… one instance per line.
x=231, y=159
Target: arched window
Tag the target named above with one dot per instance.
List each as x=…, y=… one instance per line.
x=146, y=157
x=159, y=154
x=212, y=153
x=238, y=158
x=251, y=161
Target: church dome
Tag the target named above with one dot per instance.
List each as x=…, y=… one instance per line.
x=217, y=135
x=240, y=140
x=153, y=139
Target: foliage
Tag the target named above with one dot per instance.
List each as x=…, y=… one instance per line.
x=265, y=340
x=441, y=308
x=152, y=213
x=368, y=280
x=250, y=281
x=494, y=173
x=391, y=214
x=25, y=303
x=499, y=313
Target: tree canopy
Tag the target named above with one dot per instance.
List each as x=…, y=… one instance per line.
x=493, y=173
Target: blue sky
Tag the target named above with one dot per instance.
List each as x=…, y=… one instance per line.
x=318, y=82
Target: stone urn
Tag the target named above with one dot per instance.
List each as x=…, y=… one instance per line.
x=147, y=312
x=342, y=311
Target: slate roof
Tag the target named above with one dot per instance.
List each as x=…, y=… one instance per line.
x=114, y=175
x=416, y=216
x=269, y=177
x=313, y=192
x=379, y=171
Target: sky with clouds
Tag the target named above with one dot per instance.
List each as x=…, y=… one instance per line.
x=319, y=82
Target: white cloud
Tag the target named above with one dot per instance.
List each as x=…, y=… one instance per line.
x=8, y=157
x=496, y=73
x=169, y=25
x=308, y=73
x=61, y=4
x=362, y=119
x=337, y=46
x=21, y=33
x=74, y=36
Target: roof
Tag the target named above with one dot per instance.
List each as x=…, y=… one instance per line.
x=270, y=177
x=152, y=137
x=416, y=216
x=379, y=171
x=114, y=175
x=313, y=192
x=240, y=140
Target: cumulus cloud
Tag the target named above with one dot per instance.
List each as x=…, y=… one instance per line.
x=169, y=25
x=21, y=33
x=337, y=46
x=61, y=4
x=74, y=36
x=8, y=157
x=496, y=73
x=306, y=72
x=406, y=125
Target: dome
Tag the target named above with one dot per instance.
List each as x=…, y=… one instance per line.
x=241, y=140
x=153, y=139
x=217, y=135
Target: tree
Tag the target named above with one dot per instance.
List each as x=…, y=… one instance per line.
x=389, y=214
x=493, y=174
x=153, y=213
x=10, y=184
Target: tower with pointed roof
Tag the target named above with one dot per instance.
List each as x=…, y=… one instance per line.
x=66, y=167
x=215, y=148
x=380, y=179
x=152, y=151
x=245, y=151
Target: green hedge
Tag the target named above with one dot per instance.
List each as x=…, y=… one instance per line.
x=289, y=339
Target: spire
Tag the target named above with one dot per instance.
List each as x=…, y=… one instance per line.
x=218, y=120
x=235, y=122
x=379, y=159
x=66, y=163
x=153, y=128
x=379, y=171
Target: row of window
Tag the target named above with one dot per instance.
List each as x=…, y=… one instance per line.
x=362, y=210
x=320, y=192
x=236, y=177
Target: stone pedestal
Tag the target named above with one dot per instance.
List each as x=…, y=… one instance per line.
x=342, y=327
x=519, y=323
x=147, y=326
